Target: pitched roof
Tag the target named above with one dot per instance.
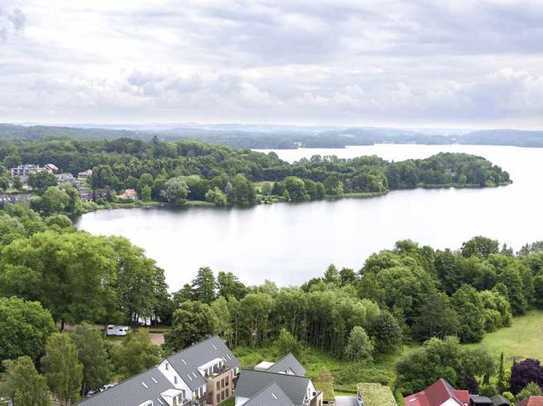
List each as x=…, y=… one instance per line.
x=145, y=386
x=436, y=394
x=289, y=361
x=271, y=395
x=186, y=362
x=150, y=384
x=532, y=401
x=479, y=400
x=251, y=383
x=499, y=400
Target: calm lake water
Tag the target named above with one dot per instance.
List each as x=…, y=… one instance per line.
x=290, y=243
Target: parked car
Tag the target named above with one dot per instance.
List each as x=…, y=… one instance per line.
x=113, y=330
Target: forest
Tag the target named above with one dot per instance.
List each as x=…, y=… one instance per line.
x=52, y=276
x=181, y=171
x=280, y=137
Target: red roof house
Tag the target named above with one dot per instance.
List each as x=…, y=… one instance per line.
x=532, y=401
x=441, y=393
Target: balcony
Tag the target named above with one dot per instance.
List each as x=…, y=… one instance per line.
x=216, y=371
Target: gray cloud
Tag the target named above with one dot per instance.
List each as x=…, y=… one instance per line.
x=454, y=62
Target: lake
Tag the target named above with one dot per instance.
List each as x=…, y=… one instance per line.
x=291, y=243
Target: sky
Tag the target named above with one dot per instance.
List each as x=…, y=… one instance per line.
x=416, y=63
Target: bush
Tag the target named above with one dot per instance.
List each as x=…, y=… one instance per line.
x=286, y=343
x=359, y=346
x=532, y=389
x=524, y=372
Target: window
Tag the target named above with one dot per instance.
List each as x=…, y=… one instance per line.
x=175, y=380
x=218, y=397
x=222, y=383
x=227, y=392
x=218, y=385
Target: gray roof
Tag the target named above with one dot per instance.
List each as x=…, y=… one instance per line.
x=499, y=400
x=132, y=391
x=289, y=361
x=251, y=383
x=186, y=362
x=271, y=395
x=480, y=400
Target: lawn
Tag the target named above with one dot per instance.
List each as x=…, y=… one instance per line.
x=375, y=394
x=524, y=339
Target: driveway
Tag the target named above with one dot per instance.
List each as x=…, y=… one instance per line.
x=345, y=401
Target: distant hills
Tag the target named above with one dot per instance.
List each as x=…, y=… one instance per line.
x=278, y=137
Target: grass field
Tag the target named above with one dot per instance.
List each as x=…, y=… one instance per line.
x=346, y=374
x=524, y=339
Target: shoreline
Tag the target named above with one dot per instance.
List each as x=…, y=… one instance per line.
x=269, y=200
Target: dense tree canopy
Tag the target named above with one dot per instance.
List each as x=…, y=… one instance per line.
x=24, y=328
x=441, y=293
x=77, y=276
x=189, y=170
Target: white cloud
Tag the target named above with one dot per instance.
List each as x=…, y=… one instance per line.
x=454, y=62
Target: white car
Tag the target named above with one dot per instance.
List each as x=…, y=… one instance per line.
x=112, y=330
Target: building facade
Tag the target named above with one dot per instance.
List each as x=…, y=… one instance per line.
x=202, y=374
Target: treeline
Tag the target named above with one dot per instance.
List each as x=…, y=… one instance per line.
x=52, y=275
x=405, y=295
x=424, y=292
x=175, y=172
x=255, y=137
x=322, y=318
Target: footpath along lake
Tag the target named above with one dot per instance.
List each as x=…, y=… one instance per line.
x=291, y=243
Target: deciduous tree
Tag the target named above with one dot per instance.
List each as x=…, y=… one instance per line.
x=136, y=354
x=24, y=328
x=62, y=368
x=93, y=355
x=192, y=322
x=359, y=346
x=287, y=343
x=23, y=384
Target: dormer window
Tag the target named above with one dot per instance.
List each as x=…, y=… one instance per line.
x=175, y=379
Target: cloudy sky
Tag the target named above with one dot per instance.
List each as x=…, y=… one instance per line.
x=446, y=63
